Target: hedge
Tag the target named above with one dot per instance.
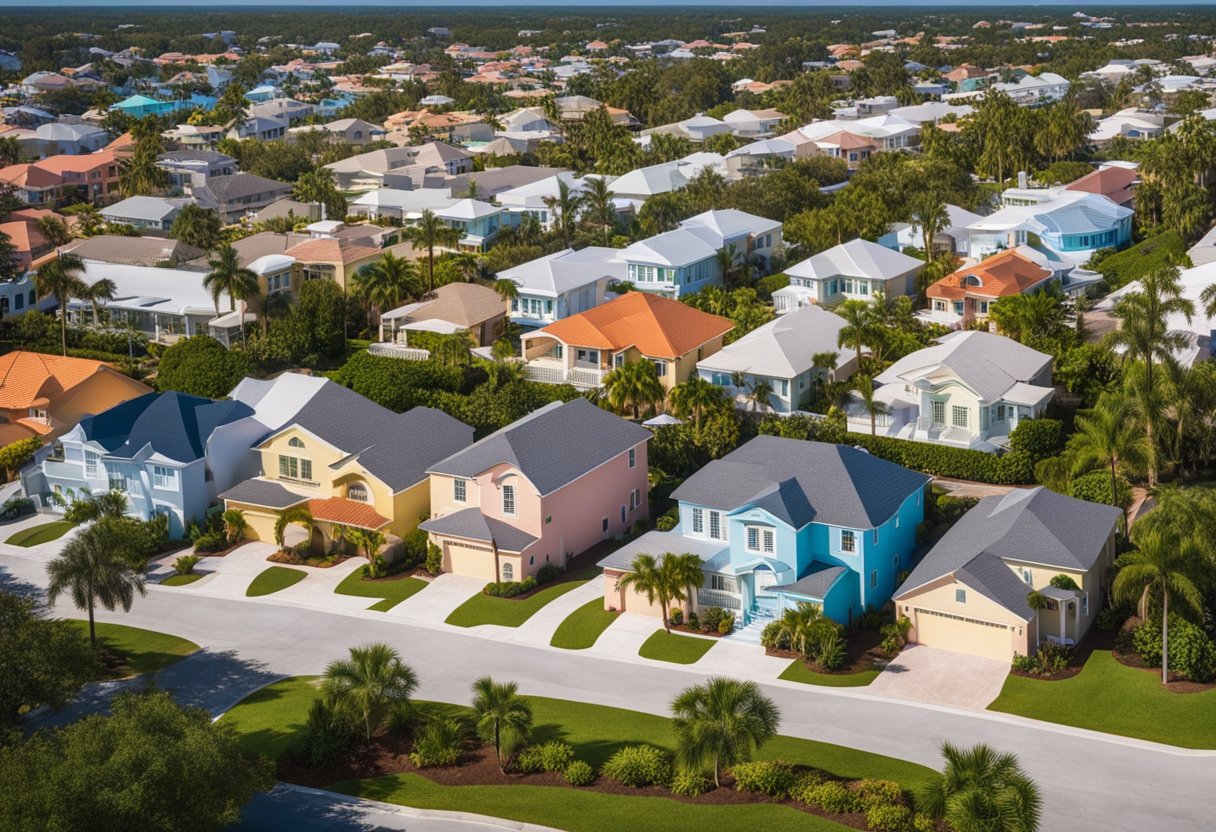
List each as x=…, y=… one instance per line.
x=1014, y=468
x=1123, y=267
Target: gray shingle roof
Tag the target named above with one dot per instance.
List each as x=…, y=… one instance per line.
x=1031, y=525
x=799, y=482
x=470, y=523
x=551, y=446
x=987, y=363
x=658, y=543
x=241, y=185
x=173, y=424
x=814, y=584
x=260, y=492
x=396, y=448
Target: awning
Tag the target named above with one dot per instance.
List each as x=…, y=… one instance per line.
x=346, y=512
x=775, y=565
x=661, y=420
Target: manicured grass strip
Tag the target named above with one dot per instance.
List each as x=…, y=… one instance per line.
x=583, y=626
x=274, y=579
x=391, y=593
x=143, y=651
x=506, y=612
x=669, y=647
x=799, y=672
x=40, y=534
x=1110, y=697
x=181, y=580
x=584, y=811
x=269, y=721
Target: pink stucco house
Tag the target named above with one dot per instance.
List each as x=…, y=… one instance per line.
x=541, y=490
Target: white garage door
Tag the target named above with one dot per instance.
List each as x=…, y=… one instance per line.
x=472, y=561
x=963, y=635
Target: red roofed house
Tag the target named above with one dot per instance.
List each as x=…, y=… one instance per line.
x=968, y=294
x=1114, y=182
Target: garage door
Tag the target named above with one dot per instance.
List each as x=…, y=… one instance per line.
x=963, y=635
x=472, y=561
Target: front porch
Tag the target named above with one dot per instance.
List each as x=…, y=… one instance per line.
x=550, y=361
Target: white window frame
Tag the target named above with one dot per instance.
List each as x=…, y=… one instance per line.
x=164, y=478
x=509, y=506
x=635, y=499
x=358, y=488
x=724, y=583
x=698, y=521
x=960, y=596
x=715, y=521
x=848, y=541
x=959, y=416
x=633, y=457
x=91, y=458
x=508, y=571
x=460, y=490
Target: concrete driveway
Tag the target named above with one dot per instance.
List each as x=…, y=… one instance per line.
x=941, y=677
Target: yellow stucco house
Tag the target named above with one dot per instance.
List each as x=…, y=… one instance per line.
x=969, y=593
x=349, y=462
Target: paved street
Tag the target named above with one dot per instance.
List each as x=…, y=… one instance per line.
x=1088, y=780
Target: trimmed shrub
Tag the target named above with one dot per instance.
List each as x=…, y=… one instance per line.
x=439, y=743
x=185, y=564
x=689, y=783
x=215, y=541
x=805, y=785
x=1095, y=487
x=551, y=756
x=947, y=509
x=1013, y=468
x=639, y=765
x=872, y=793
x=727, y=624
x=548, y=572
x=1192, y=654
x=770, y=777
x=833, y=797
x=434, y=557
x=1107, y=619
x=579, y=773
x=923, y=823
x=509, y=589
x=14, y=507
x=668, y=520
x=889, y=818
x=676, y=617
x=327, y=735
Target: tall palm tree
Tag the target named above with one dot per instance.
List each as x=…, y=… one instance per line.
x=368, y=683
x=564, y=206
x=929, y=214
x=599, y=209
x=503, y=717
x=228, y=276
x=722, y=722
x=61, y=278
x=1163, y=565
x=507, y=289
x=92, y=572
x=981, y=789
x=298, y=516
x=858, y=327
x=104, y=289
x=633, y=385
x=727, y=259
x=267, y=305
x=693, y=398
x=429, y=233
x=760, y=393
x=664, y=580
x=864, y=386
x=1146, y=337
x=388, y=282
x=1107, y=435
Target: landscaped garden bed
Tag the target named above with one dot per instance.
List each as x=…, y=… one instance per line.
x=293, y=558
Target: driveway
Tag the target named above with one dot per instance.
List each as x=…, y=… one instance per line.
x=941, y=677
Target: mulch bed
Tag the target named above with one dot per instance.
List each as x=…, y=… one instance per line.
x=696, y=631
x=388, y=754
x=419, y=573
x=863, y=654
x=316, y=563
x=222, y=552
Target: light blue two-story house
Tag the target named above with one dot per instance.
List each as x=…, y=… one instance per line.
x=779, y=522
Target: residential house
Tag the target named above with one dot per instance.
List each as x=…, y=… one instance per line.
x=637, y=326
x=754, y=124
x=759, y=157
x=969, y=593
x=331, y=258
x=62, y=138
x=28, y=244
x=349, y=462
x=478, y=222
x=531, y=199
x=561, y=284
x=953, y=238
x=1115, y=182
x=1131, y=124
x=196, y=136
x=542, y=490
x=260, y=128
x=696, y=129
x=45, y=395
x=149, y=214
x=967, y=294
x=780, y=522
x=87, y=177
x=235, y=196
x=184, y=168
x=854, y=140
x=783, y=354
x=971, y=389
x=855, y=270
x=1072, y=224
x=1034, y=90
x=405, y=205
x=133, y=251
x=352, y=131
x=1198, y=329
x=453, y=307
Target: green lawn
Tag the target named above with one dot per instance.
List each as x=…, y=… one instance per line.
x=269, y=721
x=143, y=651
x=799, y=672
x=506, y=612
x=40, y=534
x=181, y=580
x=1110, y=697
x=583, y=626
x=391, y=593
x=670, y=647
x=274, y=579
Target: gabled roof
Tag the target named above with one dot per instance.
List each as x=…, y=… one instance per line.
x=1033, y=525
x=784, y=347
x=987, y=363
x=471, y=524
x=856, y=258
x=28, y=376
x=568, y=269
x=174, y=425
x=1114, y=182
x=728, y=223
x=1000, y=276
x=800, y=482
x=659, y=327
x=552, y=446
x=678, y=247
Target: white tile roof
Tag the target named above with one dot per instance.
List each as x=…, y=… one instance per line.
x=856, y=258
x=566, y=270
x=782, y=348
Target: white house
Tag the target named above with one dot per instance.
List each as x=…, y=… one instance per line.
x=563, y=283
x=1073, y=224
x=955, y=236
x=850, y=271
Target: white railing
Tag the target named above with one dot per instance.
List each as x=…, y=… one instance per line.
x=718, y=598
x=578, y=376
x=397, y=351
x=957, y=434
x=927, y=423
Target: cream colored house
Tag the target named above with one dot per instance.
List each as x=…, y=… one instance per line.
x=969, y=593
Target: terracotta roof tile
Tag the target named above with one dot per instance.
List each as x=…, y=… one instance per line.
x=1003, y=275
x=659, y=327
x=27, y=376
x=346, y=512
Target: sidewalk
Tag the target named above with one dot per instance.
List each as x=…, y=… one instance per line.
x=625, y=636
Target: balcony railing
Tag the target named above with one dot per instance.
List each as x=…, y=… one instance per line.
x=397, y=351
x=578, y=376
x=718, y=598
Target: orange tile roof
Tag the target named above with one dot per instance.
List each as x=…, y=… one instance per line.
x=659, y=327
x=1003, y=275
x=28, y=176
x=23, y=234
x=330, y=251
x=69, y=163
x=346, y=513
x=26, y=377
x=1115, y=183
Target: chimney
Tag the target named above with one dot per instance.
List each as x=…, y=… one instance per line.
x=1023, y=180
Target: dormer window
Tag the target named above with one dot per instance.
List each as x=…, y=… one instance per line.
x=295, y=442
x=357, y=491
x=973, y=280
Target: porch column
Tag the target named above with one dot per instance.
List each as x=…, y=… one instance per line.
x=1076, y=617
x=1063, y=633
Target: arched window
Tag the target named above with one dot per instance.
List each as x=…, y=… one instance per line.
x=357, y=491
x=295, y=442
x=508, y=572
x=973, y=280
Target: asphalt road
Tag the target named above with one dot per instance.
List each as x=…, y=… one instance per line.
x=1088, y=781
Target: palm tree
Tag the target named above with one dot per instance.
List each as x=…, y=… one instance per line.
x=369, y=540
x=428, y=233
x=929, y=214
x=663, y=580
x=196, y=226
x=61, y=278
x=858, y=326
x=1107, y=435
x=1145, y=336
x=599, y=209
x=1164, y=564
x=633, y=385
x=693, y=398
x=721, y=723
x=981, y=789
x=507, y=289
x=727, y=259
x=760, y=393
x=1022, y=317
x=55, y=231
x=235, y=524
x=864, y=386
x=93, y=572
x=796, y=626
x=267, y=305
x=368, y=683
x=103, y=289
x=564, y=208
x=298, y=516
x=387, y=282
x=503, y=717
x=228, y=276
